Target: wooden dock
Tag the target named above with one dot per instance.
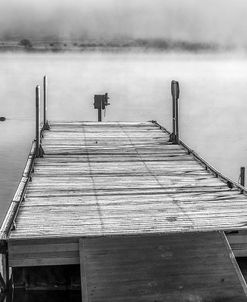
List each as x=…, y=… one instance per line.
x=123, y=212
x=120, y=197
x=122, y=178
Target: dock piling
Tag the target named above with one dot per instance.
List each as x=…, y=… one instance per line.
x=4, y=271
x=39, y=151
x=46, y=124
x=175, y=125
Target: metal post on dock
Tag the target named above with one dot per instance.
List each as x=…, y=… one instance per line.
x=175, y=125
x=39, y=151
x=45, y=124
x=242, y=176
x=100, y=114
x=100, y=103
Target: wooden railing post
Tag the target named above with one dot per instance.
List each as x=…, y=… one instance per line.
x=45, y=123
x=242, y=176
x=37, y=92
x=39, y=151
x=175, y=125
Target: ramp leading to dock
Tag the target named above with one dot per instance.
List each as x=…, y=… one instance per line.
x=124, y=180
x=169, y=267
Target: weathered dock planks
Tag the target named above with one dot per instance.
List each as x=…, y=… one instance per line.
x=122, y=178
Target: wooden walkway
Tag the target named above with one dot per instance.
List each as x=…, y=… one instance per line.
x=144, y=218
x=122, y=178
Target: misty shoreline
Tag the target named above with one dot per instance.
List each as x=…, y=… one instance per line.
x=27, y=45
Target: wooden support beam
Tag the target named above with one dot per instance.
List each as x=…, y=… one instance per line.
x=4, y=272
x=4, y=266
x=2, y=284
x=84, y=283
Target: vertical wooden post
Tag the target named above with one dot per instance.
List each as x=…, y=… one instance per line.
x=4, y=267
x=45, y=124
x=242, y=176
x=6, y=270
x=37, y=92
x=99, y=115
x=175, y=113
x=39, y=149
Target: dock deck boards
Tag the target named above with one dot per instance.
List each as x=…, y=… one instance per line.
x=99, y=179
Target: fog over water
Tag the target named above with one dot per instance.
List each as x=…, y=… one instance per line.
x=211, y=21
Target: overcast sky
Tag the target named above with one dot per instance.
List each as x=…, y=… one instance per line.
x=222, y=21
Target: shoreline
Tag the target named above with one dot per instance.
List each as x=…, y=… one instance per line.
x=158, y=45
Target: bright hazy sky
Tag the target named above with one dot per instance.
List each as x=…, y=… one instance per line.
x=222, y=21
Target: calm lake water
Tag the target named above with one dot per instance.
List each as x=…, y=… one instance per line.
x=213, y=103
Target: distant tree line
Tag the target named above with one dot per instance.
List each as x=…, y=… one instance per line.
x=26, y=43
x=161, y=44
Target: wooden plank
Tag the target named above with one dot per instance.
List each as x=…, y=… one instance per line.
x=83, y=270
x=153, y=268
x=42, y=252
